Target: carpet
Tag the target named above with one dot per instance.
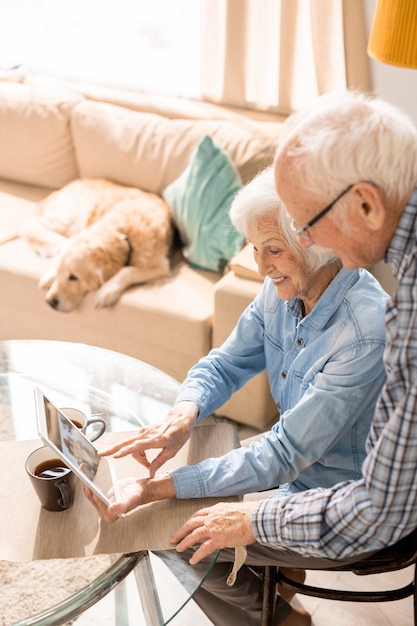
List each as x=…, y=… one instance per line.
x=31, y=588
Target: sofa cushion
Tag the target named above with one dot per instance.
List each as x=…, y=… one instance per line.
x=18, y=203
x=200, y=200
x=150, y=151
x=36, y=144
x=13, y=214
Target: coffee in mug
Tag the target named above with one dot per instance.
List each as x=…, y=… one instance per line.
x=52, y=468
x=52, y=480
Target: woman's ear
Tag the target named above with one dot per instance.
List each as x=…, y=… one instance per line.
x=370, y=204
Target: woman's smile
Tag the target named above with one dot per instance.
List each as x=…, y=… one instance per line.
x=278, y=281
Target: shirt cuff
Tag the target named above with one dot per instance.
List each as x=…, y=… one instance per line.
x=187, y=482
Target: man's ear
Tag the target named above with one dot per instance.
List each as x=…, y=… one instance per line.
x=370, y=204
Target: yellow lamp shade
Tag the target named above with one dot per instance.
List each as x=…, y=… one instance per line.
x=393, y=37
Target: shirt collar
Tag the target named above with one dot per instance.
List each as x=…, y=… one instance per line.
x=328, y=302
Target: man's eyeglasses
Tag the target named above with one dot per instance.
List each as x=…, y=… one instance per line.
x=303, y=231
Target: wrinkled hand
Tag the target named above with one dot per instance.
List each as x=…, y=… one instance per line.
x=169, y=435
x=224, y=525
x=132, y=493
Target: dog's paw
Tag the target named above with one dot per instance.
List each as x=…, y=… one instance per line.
x=44, y=243
x=107, y=295
x=44, y=251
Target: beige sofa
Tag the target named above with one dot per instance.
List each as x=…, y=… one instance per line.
x=49, y=136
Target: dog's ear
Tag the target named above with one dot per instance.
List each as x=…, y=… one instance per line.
x=47, y=280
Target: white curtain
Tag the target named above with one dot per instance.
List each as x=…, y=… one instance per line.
x=276, y=55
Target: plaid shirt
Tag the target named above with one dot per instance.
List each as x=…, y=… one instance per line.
x=376, y=511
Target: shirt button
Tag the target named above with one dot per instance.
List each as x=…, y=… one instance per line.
x=300, y=341
x=279, y=406
x=284, y=374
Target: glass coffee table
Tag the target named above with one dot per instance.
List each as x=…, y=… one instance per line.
x=123, y=391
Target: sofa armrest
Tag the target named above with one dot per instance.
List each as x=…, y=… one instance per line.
x=253, y=404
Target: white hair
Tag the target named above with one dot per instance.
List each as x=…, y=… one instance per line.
x=344, y=138
x=259, y=198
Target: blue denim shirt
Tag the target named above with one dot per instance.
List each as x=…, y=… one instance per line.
x=325, y=372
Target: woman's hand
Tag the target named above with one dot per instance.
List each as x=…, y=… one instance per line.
x=169, y=435
x=132, y=493
x=224, y=525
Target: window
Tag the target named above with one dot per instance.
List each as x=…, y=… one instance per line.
x=150, y=45
x=268, y=55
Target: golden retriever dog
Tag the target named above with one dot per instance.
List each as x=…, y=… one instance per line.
x=107, y=237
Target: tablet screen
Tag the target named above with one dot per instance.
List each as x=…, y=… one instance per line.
x=73, y=447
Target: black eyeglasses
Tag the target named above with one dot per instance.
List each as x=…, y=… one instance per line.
x=303, y=231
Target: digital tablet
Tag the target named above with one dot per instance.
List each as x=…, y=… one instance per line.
x=75, y=449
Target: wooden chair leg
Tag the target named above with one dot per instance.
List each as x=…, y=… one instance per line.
x=269, y=596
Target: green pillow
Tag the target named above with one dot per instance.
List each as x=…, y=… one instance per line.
x=200, y=200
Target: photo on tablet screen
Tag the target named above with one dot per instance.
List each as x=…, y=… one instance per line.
x=74, y=448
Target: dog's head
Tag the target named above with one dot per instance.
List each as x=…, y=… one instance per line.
x=77, y=273
x=86, y=262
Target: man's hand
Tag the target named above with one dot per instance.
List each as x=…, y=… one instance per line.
x=169, y=435
x=224, y=525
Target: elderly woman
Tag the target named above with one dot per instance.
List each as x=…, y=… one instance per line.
x=318, y=330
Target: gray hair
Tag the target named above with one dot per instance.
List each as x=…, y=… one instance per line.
x=260, y=198
x=344, y=138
